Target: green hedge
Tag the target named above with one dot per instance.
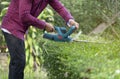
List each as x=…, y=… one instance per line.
x=82, y=60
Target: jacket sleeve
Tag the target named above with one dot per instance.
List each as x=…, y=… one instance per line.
x=59, y=8
x=26, y=17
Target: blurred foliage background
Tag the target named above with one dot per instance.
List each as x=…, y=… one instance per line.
x=89, y=60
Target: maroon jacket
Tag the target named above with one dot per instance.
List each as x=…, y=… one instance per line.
x=23, y=13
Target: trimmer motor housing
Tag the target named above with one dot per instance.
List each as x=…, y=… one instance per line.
x=62, y=34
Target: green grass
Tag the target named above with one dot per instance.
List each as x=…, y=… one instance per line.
x=79, y=60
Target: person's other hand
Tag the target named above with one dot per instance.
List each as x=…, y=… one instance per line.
x=73, y=23
x=49, y=27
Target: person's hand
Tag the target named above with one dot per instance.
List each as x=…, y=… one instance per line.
x=49, y=27
x=73, y=23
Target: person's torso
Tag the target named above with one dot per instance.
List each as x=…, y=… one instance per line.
x=36, y=9
x=11, y=20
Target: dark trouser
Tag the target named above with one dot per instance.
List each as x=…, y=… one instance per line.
x=16, y=49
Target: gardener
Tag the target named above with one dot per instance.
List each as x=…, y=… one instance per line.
x=20, y=15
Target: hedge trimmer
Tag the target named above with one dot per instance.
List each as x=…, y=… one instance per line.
x=63, y=35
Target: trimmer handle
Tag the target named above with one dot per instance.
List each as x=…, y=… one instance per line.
x=70, y=31
x=62, y=34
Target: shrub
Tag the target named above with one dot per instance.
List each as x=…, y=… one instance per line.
x=81, y=60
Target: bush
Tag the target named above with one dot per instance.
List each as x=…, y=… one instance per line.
x=82, y=60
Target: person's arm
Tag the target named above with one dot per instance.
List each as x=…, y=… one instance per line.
x=59, y=8
x=26, y=17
